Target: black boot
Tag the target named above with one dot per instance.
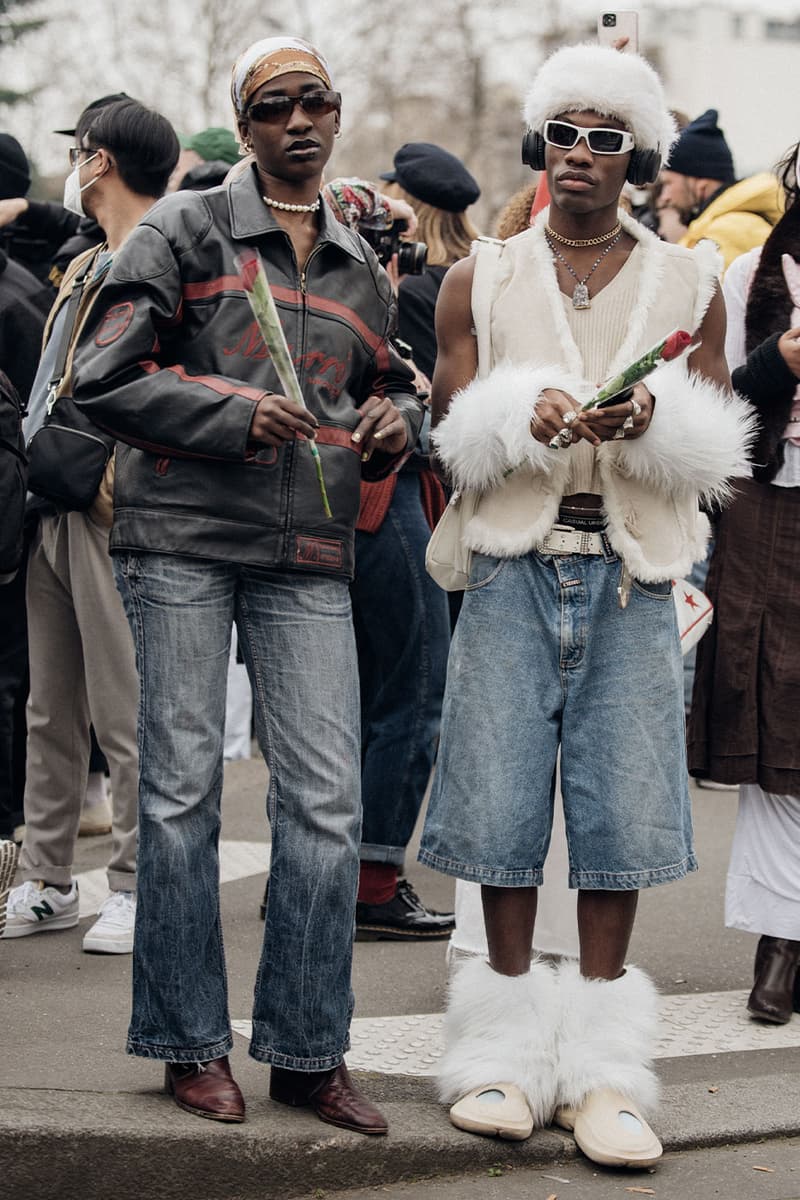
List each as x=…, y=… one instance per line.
x=776, y=991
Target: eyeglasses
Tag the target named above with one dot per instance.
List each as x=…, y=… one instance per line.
x=274, y=109
x=76, y=151
x=600, y=141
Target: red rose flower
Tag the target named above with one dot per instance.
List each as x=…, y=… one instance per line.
x=675, y=344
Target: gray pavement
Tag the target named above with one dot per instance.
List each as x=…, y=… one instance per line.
x=80, y=1119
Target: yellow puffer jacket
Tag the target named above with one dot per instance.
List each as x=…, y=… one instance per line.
x=739, y=218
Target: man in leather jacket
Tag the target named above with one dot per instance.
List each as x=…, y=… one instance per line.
x=219, y=517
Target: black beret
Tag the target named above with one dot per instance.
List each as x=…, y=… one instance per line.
x=434, y=176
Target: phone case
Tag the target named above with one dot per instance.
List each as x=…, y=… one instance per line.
x=617, y=24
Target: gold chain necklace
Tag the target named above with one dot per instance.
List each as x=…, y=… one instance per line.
x=578, y=242
x=580, y=295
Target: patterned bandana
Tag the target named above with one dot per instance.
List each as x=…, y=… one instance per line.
x=269, y=58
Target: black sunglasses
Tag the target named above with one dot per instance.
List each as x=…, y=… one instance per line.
x=273, y=109
x=565, y=135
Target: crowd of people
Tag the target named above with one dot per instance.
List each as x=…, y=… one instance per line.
x=205, y=459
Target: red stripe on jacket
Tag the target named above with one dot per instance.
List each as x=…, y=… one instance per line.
x=232, y=283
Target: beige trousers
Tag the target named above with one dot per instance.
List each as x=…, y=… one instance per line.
x=83, y=671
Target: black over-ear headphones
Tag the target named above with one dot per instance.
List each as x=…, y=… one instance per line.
x=643, y=167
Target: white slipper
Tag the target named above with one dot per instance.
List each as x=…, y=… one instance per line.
x=610, y=1130
x=497, y=1110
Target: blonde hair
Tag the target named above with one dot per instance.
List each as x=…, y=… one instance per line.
x=448, y=235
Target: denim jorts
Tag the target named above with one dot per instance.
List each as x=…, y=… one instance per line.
x=297, y=637
x=544, y=658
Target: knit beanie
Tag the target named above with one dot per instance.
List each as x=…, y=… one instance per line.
x=702, y=152
x=15, y=176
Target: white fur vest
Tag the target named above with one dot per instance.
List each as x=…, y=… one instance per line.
x=695, y=445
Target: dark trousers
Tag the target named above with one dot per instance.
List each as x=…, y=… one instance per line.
x=403, y=637
x=13, y=694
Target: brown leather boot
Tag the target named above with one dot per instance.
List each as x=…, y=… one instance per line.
x=331, y=1094
x=776, y=990
x=205, y=1089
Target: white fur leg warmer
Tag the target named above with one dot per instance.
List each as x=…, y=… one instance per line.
x=502, y=1029
x=698, y=440
x=606, y=1036
x=487, y=428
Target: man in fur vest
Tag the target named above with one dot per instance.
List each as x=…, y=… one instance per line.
x=567, y=639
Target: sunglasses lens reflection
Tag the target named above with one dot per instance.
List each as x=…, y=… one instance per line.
x=279, y=108
x=560, y=134
x=605, y=141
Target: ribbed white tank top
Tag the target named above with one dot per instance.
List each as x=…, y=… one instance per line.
x=598, y=332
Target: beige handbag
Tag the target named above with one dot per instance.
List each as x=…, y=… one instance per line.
x=447, y=558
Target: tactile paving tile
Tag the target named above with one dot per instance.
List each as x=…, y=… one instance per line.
x=237, y=860
x=706, y=1023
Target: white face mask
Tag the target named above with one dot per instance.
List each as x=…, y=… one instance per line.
x=73, y=199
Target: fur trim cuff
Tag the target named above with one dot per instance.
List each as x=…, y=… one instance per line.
x=698, y=441
x=606, y=1036
x=502, y=1029
x=487, y=429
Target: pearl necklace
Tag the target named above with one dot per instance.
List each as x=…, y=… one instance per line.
x=291, y=207
x=594, y=241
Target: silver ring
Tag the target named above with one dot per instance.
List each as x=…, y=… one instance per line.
x=636, y=408
x=619, y=434
x=570, y=417
x=565, y=436
x=628, y=423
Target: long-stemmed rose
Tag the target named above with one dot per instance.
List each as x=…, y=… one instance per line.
x=256, y=286
x=664, y=351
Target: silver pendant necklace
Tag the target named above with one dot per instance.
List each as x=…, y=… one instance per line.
x=291, y=207
x=580, y=295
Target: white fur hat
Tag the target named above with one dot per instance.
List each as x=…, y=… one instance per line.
x=590, y=78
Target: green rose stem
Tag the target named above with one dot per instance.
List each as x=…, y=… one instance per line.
x=664, y=351
x=257, y=290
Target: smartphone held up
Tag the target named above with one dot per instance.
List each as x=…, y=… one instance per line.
x=619, y=30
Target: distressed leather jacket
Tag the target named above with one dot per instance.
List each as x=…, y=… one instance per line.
x=172, y=363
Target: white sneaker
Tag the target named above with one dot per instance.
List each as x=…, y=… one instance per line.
x=32, y=907
x=112, y=932
x=95, y=819
x=8, y=865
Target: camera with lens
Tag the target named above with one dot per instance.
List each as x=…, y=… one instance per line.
x=411, y=256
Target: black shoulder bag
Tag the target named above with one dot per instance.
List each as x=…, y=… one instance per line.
x=68, y=454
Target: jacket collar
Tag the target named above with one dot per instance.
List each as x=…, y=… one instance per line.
x=250, y=217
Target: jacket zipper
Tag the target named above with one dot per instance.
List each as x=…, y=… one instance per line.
x=301, y=275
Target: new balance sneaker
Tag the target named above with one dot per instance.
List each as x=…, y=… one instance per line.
x=112, y=932
x=8, y=865
x=33, y=907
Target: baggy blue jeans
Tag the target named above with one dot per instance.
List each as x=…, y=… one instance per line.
x=402, y=629
x=297, y=638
